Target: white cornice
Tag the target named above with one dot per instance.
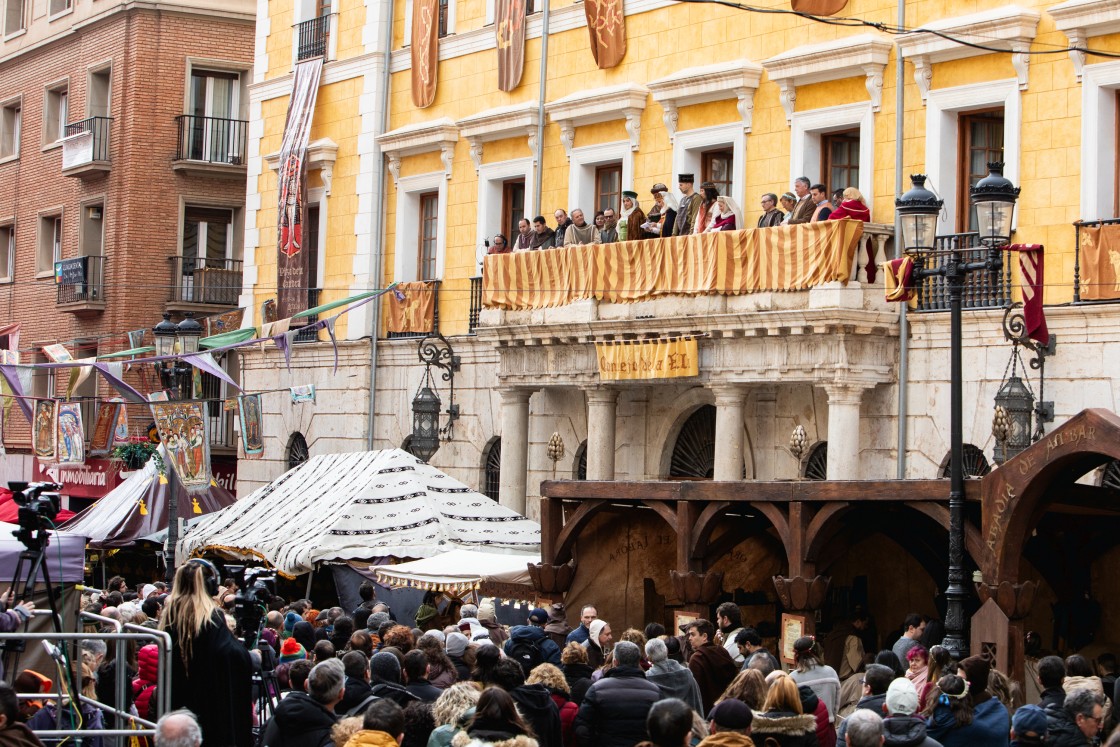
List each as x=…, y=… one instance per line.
x=321, y=155
x=1006, y=28
x=737, y=79
x=1081, y=20
x=626, y=101
x=423, y=137
x=519, y=120
x=333, y=72
x=865, y=54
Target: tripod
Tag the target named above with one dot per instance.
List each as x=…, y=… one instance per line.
x=33, y=558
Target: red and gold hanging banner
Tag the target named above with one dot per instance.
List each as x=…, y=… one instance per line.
x=607, y=26
x=291, y=260
x=509, y=30
x=1100, y=262
x=425, y=51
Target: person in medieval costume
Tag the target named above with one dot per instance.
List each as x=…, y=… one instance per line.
x=631, y=218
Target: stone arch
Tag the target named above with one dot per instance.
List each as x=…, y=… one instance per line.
x=1015, y=495
x=491, y=481
x=579, y=462
x=297, y=450
x=670, y=431
x=976, y=463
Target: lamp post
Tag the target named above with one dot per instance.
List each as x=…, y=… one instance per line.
x=993, y=198
x=177, y=377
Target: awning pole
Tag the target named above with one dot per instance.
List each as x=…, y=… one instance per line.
x=310, y=577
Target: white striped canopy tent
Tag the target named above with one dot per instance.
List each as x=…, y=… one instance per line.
x=459, y=572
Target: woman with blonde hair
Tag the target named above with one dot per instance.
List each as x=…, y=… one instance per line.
x=451, y=711
x=782, y=722
x=748, y=686
x=551, y=677
x=853, y=206
x=210, y=669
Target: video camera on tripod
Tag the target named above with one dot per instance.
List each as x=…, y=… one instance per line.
x=256, y=588
x=39, y=503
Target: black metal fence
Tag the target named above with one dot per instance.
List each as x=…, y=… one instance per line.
x=308, y=335
x=1077, y=261
x=434, y=284
x=211, y=139
x=311, y=38
x=476, y=304
x=982, y=290
x=86, y=281
x=204, y=280
x=99, y=128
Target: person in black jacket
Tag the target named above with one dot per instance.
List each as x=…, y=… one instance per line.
x=876, y=679
x=305, y=719
x=534, y=702
x=356, y=666
x=614, y=710
x=416, y=670
x=1051, y=672
x=1078, y=722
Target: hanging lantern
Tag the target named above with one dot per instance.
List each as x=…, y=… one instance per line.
x=425, y=423
x=1017, y=402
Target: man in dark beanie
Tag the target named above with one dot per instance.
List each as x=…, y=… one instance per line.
x=385, y=674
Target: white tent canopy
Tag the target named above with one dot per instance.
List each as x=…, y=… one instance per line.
x=360, y=505
x=458, y=571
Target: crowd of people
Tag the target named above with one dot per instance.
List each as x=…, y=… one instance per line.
x=360, y=679
x=694, y=212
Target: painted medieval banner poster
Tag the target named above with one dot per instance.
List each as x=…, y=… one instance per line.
x=70, y=447
x=291, y=260
x=1100, y=262
x=607, y=27
x=43, y=435
x=120, y=430
x=57, y=353
x=425, y=52
x=227, y=322
x=252, y=440
x=182, y=429
x=509, y=31
x=101, y=442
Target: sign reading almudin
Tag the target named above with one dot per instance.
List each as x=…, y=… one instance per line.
x=648, y=359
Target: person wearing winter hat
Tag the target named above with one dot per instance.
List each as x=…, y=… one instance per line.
x=469, y=624
x=290, y=620
x=385, y=674
x=488, y=616
x=557, y=626
x=456, y=647
x=671, y=677
x=901, y=728
x=1029, y=725
x=729, y=725
x=292, y=650
x=529, y=645
x=598, y=643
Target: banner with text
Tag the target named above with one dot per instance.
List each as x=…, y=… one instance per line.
x=648, y=359
x=291, y=260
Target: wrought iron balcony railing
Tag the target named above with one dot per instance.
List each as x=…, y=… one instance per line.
x=435, y=284
x=211, y=139
x=203, y=280
x=312, y=37
x=81, y=280
x=308, y=335
x=982, y=290
x=476, y=304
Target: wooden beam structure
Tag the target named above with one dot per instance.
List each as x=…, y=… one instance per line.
x=756, y=491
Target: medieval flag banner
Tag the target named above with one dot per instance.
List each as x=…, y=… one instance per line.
x=653, y=359
x=70, y=444
x=818, y=7
x=227, y=322
x=509, y=30
x=425, y=52
x=101, y=442
x=1031, y=283
x=46, y=416
x=182, y=429
x=291, y=260
x=898, y=280
x=250, y=413
x=607, y=27
x=1100, y=262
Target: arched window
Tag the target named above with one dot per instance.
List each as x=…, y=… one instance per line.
x=581, y=461
x=297, y=450
x=694, y=454
x=816, y=464
x=1110, y=478
x=492, y=470
x=975, y=463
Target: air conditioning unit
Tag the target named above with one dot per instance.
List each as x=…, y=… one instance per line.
x=95, y=212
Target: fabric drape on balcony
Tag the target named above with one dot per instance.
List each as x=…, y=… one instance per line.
x=411, y=308
x=784, y=258
x=1100, y=263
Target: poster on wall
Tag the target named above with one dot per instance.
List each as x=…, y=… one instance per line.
x=70, y=445
x=101, y=442
x=46, y=412
x=182, y=429
x=291, y=260
x=249, y=408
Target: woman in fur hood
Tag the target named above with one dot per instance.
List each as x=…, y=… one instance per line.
x=782, y=721
x=496, y=723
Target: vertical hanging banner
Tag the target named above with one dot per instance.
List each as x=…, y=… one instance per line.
x=291, y=260
x=607, y=27
x=1100, y=262
x=509, y=31
x=46, y=415
x=425, y=51
x=70, y=445
x=249, y=410
x=101, y=442
x=182, y=429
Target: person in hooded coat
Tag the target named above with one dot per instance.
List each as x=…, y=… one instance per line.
x=144, y=686
x=496, y=723
x=534, y=702
x=901, y=728
x=598, y=643
x=671, y=677
x=488, y=617
x=614, y=710
x=964, y=713
x=456, y=647
x=810, y=703
x=385, y=678
x=558, y=627
x=211, y=671
x=782, y=722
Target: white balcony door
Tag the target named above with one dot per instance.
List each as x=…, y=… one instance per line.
x=214, y=105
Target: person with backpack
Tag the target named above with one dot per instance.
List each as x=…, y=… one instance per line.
x=529, y=645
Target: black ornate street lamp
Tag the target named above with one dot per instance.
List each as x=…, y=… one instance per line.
x=994, y=198
x=177, y=378
x=434, y=350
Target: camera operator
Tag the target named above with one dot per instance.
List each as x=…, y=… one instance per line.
x=211, y=671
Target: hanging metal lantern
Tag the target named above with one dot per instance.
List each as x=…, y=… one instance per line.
x=1017, y=402
x=425, y=423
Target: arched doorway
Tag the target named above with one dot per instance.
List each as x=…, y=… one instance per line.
x=816, y=464
x=694, y=453
x=492, y=469
x=298, y=452
x=580, y=463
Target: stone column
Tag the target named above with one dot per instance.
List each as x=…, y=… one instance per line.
x=764, y=434
x=843, y=431
x=601, y=406
x=515, y=448
x=729, y=431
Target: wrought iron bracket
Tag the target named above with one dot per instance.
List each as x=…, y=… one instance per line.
x=1015, y=331
x=435, y=350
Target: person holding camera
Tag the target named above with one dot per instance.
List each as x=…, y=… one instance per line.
x=211, y=671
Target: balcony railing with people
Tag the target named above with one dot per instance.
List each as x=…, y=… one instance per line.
x=700, y=274
x=1096, y=263
x=312, y=38
x=211, y=139
x=982, y=290
x=203, y=280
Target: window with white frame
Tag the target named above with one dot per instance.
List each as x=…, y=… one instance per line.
x=7, y=251
x=56, y=109
x=834, y=143
x=717, y=152
x=594, y=173
x=1100, y=141
x=421, y=227
x=503, y=198
x=50, y=242
x=11, y=120
x=13, y=16
x=60, y=6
